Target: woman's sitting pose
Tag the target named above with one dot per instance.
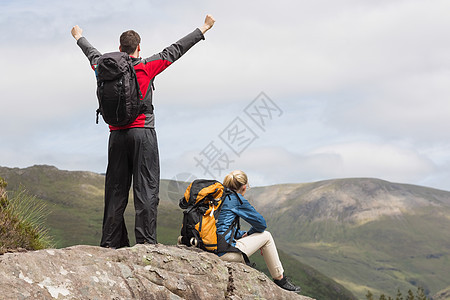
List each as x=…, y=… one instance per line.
x=256, y=238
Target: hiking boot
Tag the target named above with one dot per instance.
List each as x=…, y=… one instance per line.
x=284, y=283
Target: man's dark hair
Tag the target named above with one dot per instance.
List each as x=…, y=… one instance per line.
x=129, y=40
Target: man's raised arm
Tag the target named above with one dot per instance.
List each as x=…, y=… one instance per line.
x=172, y=53
x=91, y=53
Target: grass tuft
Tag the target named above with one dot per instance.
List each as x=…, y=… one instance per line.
x=22, y=220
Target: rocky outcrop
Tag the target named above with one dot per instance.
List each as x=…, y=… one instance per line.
x=140, y=272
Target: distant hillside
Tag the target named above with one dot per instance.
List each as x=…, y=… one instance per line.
x=365, y=233
x=355, y=201
x=76, y=203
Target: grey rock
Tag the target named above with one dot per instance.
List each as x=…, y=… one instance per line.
x=139, y=272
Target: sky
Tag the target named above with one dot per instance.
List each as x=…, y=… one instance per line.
x=288, y=91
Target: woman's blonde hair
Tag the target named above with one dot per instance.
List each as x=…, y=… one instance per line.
x=235, y=180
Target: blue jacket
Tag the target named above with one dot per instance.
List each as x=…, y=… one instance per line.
x=231, y=208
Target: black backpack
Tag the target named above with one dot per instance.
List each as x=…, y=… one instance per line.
x=118, y=92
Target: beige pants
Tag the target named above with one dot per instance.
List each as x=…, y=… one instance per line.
x=252, y=243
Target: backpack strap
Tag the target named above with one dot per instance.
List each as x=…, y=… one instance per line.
x=237, y=196
x=152, y=85
x=133, y=71
x=232, y=227
x=139, y=93
x=99, y=109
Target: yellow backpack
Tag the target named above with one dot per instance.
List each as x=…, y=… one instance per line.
x=202, y=202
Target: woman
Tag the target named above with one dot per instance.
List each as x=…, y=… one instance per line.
x=256, y=238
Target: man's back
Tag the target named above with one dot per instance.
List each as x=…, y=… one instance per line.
x=146, y=71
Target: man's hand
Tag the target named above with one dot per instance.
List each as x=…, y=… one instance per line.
x=209, y=22
x=77, y=32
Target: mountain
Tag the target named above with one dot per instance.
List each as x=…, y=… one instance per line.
x=75, y=201
x=367, y=234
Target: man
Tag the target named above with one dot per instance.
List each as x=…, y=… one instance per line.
x=133, y=149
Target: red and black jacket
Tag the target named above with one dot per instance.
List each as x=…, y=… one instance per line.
x=146, y=71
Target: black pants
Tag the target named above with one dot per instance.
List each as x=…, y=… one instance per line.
x=132, y=157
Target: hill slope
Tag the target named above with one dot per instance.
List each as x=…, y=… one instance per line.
x=364, y=233
x=76, y=203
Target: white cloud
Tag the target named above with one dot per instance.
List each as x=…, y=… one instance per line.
x=415, y=107
x=386, y=161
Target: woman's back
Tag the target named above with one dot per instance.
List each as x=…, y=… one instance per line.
x=235, y=205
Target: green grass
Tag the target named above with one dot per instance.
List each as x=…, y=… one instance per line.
x=22, y=221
